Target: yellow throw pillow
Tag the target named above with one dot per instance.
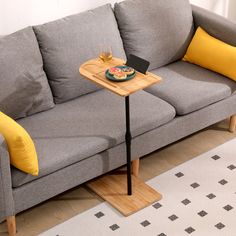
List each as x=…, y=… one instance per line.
x=212, y=54
x=20, y=145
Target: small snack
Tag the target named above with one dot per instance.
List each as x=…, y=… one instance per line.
x=114, y=70
x=128, y=70
x=120, y=75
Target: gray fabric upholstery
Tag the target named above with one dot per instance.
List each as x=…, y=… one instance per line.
x=215, y=25
x=157, y=30
x=188, y=87
x=149, y=129
x=24, y=88
x=6, y=197
x=88, y=125
x=48, y=186
x=67, y=43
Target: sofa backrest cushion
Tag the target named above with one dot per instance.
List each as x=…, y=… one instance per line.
x=24, y=89
x=156, y=30
x=67, y=43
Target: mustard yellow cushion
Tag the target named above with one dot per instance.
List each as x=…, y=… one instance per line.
x=212, y=54
x=20, y=145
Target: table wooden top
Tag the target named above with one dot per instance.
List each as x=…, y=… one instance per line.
x=94, y=70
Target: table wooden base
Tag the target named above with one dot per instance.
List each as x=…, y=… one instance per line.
x=113, y=189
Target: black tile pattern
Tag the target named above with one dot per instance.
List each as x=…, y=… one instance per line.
x=157, y=205
x=114, y=227
x=195, y=185
x=220, y=225
x=190, y=230
x=186, y=201
x=145, y=223
x=216, y=157
x=231, y=167
x=211, y=196
x=202, y=213
x=99, y=214
x=179, y=174
x=223, y=182
x=228, y=208
x=173, y=217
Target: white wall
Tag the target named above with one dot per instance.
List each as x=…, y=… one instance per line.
x=16, y=14
x=232, y=10
x=218, y=6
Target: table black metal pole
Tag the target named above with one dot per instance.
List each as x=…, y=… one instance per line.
x=128, y=145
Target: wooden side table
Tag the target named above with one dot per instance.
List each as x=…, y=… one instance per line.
x=94, y=70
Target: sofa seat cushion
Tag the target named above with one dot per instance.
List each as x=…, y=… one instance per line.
x=75, y=130
x=157, y=30
x=67, y=43
x=189, y=87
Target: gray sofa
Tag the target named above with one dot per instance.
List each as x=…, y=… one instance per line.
x=78, y=128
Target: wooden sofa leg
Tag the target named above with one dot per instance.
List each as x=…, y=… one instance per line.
x=11, y=225
x=135, y=167
x=232, y=124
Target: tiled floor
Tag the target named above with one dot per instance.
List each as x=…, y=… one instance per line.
x=73, y=202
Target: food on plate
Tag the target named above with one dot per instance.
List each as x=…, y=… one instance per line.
x=114, y=70
x=120, y=75
x=128, y=70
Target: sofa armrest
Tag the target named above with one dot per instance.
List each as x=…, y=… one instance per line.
x=217, y=26
x=6, y=197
